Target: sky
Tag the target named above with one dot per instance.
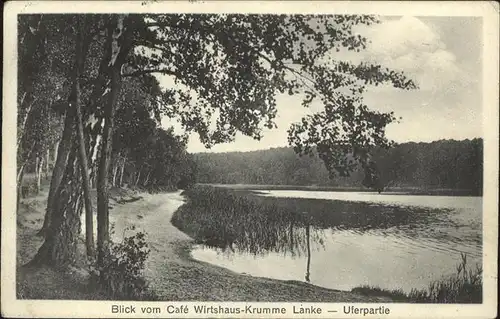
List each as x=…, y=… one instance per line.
x=442, y=54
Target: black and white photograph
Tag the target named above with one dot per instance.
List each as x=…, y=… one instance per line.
x=216, y=163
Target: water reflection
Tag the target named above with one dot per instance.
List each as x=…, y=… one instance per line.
x=308, y=271
x=289, y=236
x=384, y=244
x=291, y=233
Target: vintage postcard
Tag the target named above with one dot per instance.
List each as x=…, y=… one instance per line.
x=250, y=159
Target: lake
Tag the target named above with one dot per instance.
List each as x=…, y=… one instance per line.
x=392, y=241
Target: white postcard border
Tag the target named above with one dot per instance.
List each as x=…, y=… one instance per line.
x=489, y=11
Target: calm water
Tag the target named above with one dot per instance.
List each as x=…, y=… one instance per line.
x=407, y=253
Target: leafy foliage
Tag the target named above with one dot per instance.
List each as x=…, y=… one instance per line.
x=42, y=84
x=231, y=67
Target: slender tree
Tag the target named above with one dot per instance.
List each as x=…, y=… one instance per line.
x=80, y=52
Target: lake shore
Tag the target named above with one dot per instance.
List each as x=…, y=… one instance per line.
x=276, y=228
x=171, y=271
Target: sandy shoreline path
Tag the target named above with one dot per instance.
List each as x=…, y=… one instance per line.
x=174, y=275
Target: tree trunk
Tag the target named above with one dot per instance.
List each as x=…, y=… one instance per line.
x=48, y=142
x=81, y=49
x=93, y=181
x=95, y=150
x=121, y=172
x=20, y=176
x=138, y=178
x=25, y=161
x=47, y=168
x=61, y=236
x=102, y=174
x=119, y=52
x=147, y=179
x=39, y=166
x=37, y=170
x=23, y=121
x=56, y=146
x=115, y=172
x=60, y=164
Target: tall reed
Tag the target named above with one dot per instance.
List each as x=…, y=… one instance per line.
x=463, y=286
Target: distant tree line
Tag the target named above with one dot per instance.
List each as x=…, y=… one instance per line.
x=444, y=164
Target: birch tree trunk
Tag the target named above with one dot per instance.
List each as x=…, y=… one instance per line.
x=122, y=167
x=23, y=121
x=81, y=49
x=147, y=179
x=47, y=159
x=63, y=152
x=116, y=30
x=115, y=172
x=94, y=152
x=20, y=171
x=39, y=166
x=138, y=178
x=56, y=146
x=20, y=175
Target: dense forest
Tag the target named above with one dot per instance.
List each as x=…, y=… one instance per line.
x=444, y=164
x=144, y=154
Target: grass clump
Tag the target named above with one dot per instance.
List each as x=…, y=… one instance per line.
x=464, y=286
x=122, y=274
x=239, y=220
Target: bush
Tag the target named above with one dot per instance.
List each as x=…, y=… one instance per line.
x=122, y=275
